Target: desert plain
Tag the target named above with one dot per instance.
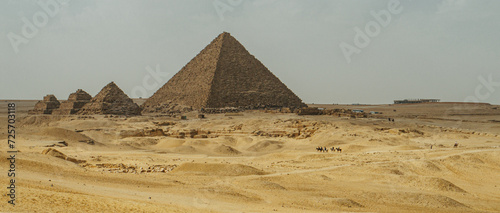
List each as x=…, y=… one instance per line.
x=258, y=161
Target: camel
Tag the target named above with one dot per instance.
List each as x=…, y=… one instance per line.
x=324, y=149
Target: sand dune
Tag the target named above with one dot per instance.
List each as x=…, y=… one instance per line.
x=226, y=150
x=266, y=146
x=253, y=163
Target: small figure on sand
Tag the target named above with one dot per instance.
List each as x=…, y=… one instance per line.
x=321, y=149
x=431, y=146
x=456, y=145
x=325, y=149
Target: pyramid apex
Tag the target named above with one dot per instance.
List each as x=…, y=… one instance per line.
x=112, y=84
x=225, y=34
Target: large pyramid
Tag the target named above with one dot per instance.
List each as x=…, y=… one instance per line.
x=111, y=100
x=224, y=74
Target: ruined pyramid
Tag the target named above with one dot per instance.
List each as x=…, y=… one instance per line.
x=46, y=106
x=224, y=74
x=111, y=100
x=74, y=103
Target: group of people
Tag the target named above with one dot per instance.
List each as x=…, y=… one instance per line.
x=324, y=149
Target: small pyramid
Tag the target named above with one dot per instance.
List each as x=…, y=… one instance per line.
x=224, y=74
x=74, y=103
x=46, y=106
x=111, y=100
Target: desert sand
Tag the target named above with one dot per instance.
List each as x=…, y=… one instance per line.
x=258, y=161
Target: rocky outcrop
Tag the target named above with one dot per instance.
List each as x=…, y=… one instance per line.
x=58, y=154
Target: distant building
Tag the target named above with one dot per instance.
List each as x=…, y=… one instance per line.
x=358, y=111
x=416, y=101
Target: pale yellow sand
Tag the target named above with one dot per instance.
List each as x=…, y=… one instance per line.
x=383, y=167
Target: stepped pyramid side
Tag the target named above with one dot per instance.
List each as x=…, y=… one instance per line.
x=111, y=100
x=224, y=74
x=74, y=103
x=191, y=85
x=46, y=106
x=241, y=80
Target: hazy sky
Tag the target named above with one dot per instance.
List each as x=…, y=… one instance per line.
x=447, y=49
